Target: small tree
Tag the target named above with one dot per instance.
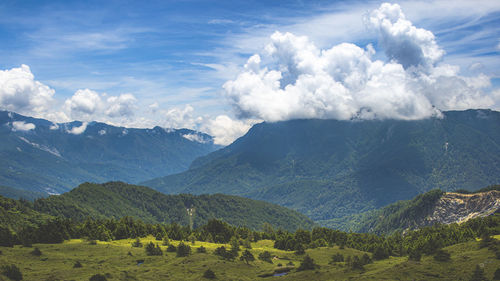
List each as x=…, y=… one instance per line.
x=36, y=252
x=247, y=244
x=478, y=274
x=365, y=259
x=414, y=255
x=166, y=241
x=307, y=264
x=137, y=243
x=442, y=255
x=98, y=277
x=235, y=245
x=152, y=250
x=192, y=238
x=183, y=250
x=12, y=272
x=265, y=256
x=380, y=253
x=209, y=274
x=171, y=248
x=337, y=258
x=299, y=249
x=247, y=256
x=496, y=276
x=201, y=249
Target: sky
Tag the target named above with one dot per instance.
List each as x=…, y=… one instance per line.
x=221, y=66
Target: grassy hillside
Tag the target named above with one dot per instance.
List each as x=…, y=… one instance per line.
x=119, y=261
x=117, y=199
x=330, y=169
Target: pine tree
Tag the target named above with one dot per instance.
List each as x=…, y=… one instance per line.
x=247, y=256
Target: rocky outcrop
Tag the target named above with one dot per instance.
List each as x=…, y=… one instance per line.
x=459, y=208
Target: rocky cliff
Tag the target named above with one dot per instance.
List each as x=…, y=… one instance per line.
x=459, y=208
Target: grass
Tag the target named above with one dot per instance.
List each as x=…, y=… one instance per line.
x=112, y=258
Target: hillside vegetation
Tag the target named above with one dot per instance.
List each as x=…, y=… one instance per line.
x=117, y=200
x=330, y=169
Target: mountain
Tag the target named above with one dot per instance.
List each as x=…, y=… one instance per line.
x=329, y=169
x=117, y=199
x=433, y=207
x=39, y=155
x=15, y=193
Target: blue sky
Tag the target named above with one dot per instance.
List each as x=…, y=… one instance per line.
x=170, y=54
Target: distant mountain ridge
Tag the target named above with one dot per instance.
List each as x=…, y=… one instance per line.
x=329, y=169
x=42, y=156
x=117, y=199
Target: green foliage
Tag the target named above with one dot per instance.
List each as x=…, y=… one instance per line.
x=171, y=248
x=183, y=250
x=12, y=272
x=98, y=277
x=442, y=255
x=209, y=274
x=77, y=264
x=496, y=276
x=137, y=243
x=265, y=256
x=337, y=258
x=247, y=256
x=117, y=199
x=225, y=254
x=478, y=274
x=299, y=249
x=36, y=252
x=201, y=249
x=307, y=264
x=152, y=250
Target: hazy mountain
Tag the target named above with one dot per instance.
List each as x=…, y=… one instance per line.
x=117, y=199
x=15, y=193
x=329, y=169
x=42, y=156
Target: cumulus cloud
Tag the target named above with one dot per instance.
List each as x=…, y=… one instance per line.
x=22, y=126
x=225, y=130
x=291, y=78
x=181, y=118
x=20, y=92
x=89, y=105
x=78, y=130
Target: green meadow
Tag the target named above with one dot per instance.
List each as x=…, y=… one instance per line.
x=118, y=260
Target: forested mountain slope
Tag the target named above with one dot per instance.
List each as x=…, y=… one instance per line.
x=117, y=199
x=39, y=155
x=329, y=169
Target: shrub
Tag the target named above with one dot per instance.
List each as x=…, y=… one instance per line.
x=478, y=274
x=299, y=249
x=12, y=272
x=337, y=258
x=171, y=248
x=166, y=241
x=183, y=250
x=247, y=256
x=209, y=274
x=225, y=254
x=415, y=255
x=265, y=256
x=365, y=259
x=380, y=253
x=137, y=243
x=442, y=255
x=98, y=277
x=77, y=265
x=36, y=252
x=496, y=276
x=307, y=264
x=152, y=250
x=201, y=249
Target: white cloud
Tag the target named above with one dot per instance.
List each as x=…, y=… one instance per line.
x=22, y=126
x=225, y=130
x=292, y=78
x=20, y=92
x=181, y=118
x=88, y=105
x=196, y=138
x=78, y=130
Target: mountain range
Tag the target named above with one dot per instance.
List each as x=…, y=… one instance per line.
x=38, y=155
x=330, y=169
